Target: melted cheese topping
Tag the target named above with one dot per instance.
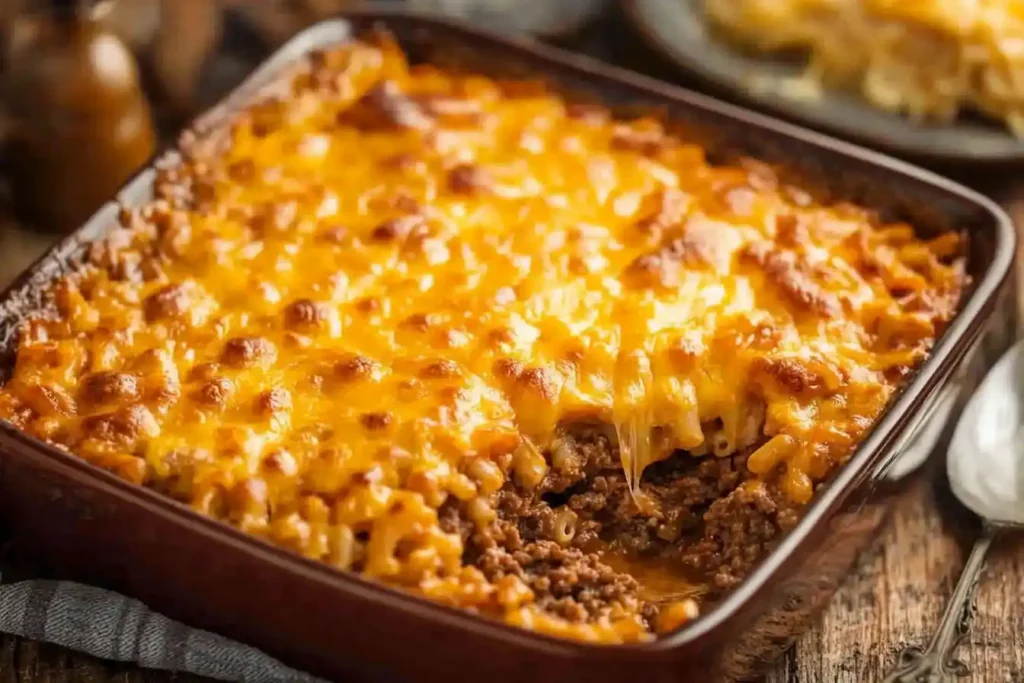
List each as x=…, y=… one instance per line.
x=927, y=58
x=390, y=287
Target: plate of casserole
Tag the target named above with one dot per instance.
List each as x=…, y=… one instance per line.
x=935, y=80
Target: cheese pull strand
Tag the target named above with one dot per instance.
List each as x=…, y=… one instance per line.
x=633, y=415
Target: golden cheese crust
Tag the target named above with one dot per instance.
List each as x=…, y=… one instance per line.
x=384, y=288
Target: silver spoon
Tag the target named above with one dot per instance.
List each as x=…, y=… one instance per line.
x=985, y=464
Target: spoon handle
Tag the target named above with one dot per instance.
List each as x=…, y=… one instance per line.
x=936, y=663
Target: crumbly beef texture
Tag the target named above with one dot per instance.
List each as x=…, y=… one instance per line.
x=738, y=530
x=700, y=516
x=568, y=582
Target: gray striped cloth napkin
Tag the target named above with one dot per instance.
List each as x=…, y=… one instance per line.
x=110, y=626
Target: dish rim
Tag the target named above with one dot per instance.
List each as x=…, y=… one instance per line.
x=948, y=351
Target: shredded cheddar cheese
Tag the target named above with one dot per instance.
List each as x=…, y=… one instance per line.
x=386, y=290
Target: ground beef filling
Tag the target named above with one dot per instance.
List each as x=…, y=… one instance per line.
x=703, y=521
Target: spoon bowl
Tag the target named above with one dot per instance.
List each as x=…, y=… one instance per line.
x=985, y=464
x=985, y=460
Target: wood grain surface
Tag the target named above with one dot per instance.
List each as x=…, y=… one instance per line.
x=893, y=598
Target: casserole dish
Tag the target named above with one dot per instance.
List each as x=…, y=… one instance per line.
x=299, y=601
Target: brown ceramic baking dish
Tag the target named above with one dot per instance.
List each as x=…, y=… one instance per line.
x=99, y=528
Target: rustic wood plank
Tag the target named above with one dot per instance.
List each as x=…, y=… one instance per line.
x=898, y=592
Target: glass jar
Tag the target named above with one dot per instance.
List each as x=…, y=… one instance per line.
x=79, y=123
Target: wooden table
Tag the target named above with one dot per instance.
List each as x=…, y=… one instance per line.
x=894, y=597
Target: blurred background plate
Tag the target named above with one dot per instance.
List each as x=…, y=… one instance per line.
x=550, y=19
x=677, y=30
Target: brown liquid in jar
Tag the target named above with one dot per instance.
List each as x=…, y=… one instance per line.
x=80, y=123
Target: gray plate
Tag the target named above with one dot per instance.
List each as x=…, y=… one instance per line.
x=677, y=30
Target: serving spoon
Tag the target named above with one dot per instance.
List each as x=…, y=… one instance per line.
x=985, y=465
